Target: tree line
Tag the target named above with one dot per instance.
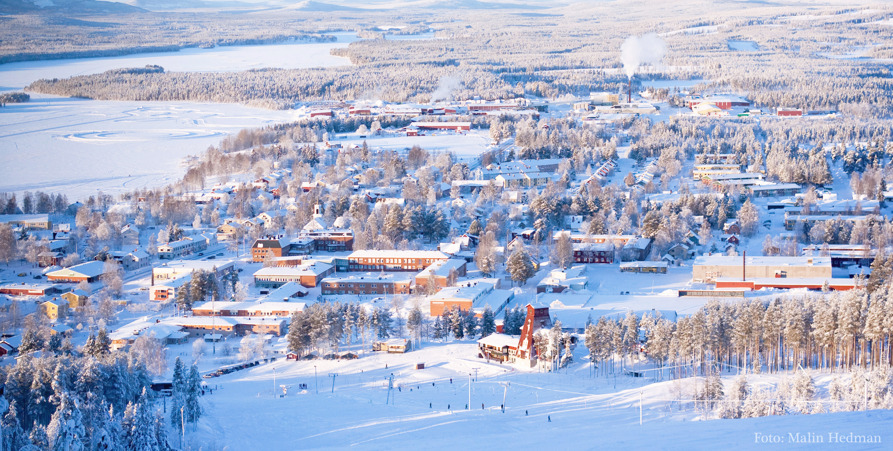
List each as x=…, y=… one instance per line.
x=836, y=332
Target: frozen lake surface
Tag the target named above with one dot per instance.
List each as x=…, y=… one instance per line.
x=288, y=55
x=78, y=147
x=743, y=46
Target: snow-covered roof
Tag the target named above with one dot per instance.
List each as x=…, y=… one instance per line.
x=371, y=277
x=442, y=268
x=173, y=283
x=24, y=219
x=180, y=266
x=499, y=341
x=774, y=186
x=644, y=265
x=561, y=300
x=398, y=254
x=638, y=243
x=472, y=293
x=205, y=321
x=285, y=291
x=88, y=269
x=315, y=269
x=725, y=260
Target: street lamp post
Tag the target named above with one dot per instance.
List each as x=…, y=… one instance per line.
x=315, y=379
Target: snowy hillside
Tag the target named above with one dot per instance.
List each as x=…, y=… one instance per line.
x=568, y=409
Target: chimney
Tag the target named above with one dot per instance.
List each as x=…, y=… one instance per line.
x=744, y=266
x=629, y=92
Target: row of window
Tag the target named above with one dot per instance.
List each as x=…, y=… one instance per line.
x=416, y=261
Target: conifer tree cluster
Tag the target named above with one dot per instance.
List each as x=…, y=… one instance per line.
x=69, y=400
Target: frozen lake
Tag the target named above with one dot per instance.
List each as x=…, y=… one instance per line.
x=287, y=55
x=743, y=46
x=78, y=147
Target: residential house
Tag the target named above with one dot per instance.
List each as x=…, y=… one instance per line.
x=637, y=249
x=55, y=309
x=76, y=298
x=593, y=253
x=680, y=251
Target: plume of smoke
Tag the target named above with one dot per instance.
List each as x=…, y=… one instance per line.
x=637, y=50
x=445, y=88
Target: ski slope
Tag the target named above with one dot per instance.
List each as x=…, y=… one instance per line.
x=567, y=409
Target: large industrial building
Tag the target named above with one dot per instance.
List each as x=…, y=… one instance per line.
x=707, y=268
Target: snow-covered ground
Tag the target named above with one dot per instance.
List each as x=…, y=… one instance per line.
x=427, y=409
x=77, y=146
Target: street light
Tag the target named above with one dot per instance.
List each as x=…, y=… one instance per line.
x=315, y=380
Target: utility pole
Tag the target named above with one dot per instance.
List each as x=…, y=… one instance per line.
x=333, y=376
x=640, y=407
x=390, y=389
x=469, y=392
x=183, y=428
x=213, y=328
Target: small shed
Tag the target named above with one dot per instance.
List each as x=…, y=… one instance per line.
x=419, y=366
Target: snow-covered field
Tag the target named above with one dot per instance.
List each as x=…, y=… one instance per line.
x=79, y=146
x=563, y=410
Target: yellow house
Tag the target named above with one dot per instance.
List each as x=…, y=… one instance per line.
x=56, y=309
x=76, y=298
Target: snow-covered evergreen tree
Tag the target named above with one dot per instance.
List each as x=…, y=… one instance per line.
x=414, y=323
x=488, y=324
x=14, y=437
x=178, y=393
x=38, y=437
x=733, y=404
x=801, y=392
x=711, y=391
x=193, y=391
x=139, y=426
x=66, y=430
x=439, y=332
x=457, y=323
x=520, y=266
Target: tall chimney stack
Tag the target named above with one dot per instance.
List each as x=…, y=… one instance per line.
x=744, y=266
x=629, y=91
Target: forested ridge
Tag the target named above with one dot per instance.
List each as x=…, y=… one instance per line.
x=500, y=55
